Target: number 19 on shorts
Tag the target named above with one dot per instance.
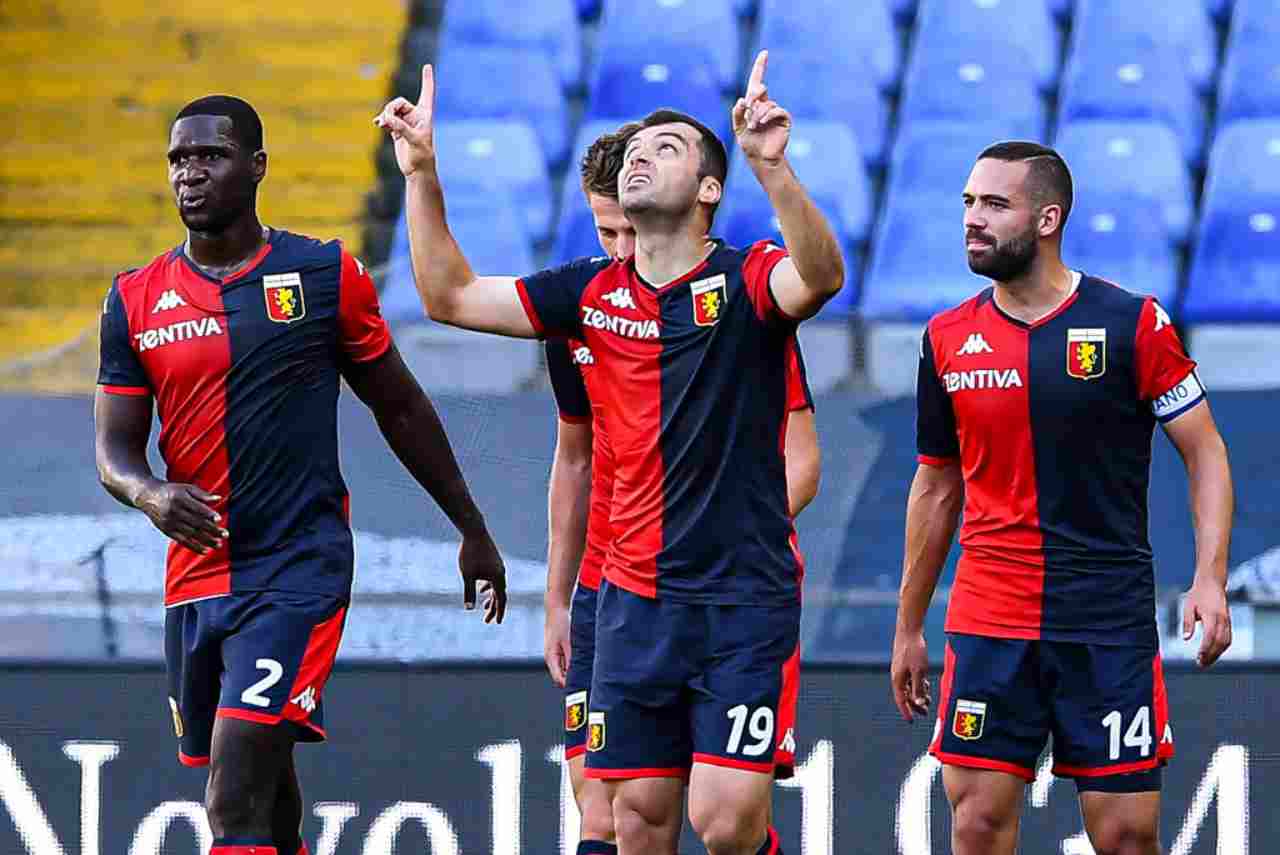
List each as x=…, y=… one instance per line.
x=758, y=726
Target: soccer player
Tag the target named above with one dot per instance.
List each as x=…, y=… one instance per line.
x=1037, y=400
x=241, y=335
x=700, y=606
x=580, y=493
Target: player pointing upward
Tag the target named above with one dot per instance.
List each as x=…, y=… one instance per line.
x=700, y=606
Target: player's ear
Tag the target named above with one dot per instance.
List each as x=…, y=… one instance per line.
x=1050, y=219
x=710, y=190
x=258, y=165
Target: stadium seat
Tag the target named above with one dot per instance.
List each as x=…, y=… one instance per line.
x=1101, y=28
x=501, y=83
x=622, y=92
x=1018, y=28
x=504, y=155
x=833, y=89
x=932, y=162
x=1252, y=20
x=1250, y=86
x=1220, y=10
x=547, y=25
x=834, y=31
x=1141, y=158
x=576, y=234
x=1137, y=81
x=1120, y=237
x=639, y=32
x=587, y=9
x=1235, y=273
x=918, y=266
x=826, y=159
x=970, y=81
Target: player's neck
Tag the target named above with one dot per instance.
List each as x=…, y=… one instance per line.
x=1045, y=287
x=220, y=253
x=665, y=256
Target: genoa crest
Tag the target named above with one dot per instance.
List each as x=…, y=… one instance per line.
x=709, y=296
x=1086, y=353
x=575, y=711
x=970, y=716
x=283, y=293
x=595, y=731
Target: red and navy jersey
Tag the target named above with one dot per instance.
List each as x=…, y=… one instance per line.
x=245, y=374
x=1052, y=424
x=692, y=389
x=571, y=367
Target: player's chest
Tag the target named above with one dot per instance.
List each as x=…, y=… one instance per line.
x=189, y=329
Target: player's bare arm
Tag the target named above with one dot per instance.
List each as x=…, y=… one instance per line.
x=933, y=514
x=815, y=271
x=415, y=434
x=804, y=460
x=122, y=425
x=568, y=509
x=451, y=292
x=1196, y=437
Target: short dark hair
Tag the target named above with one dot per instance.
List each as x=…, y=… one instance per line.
x=715, y=159
x=601, y=164
x=1048, y=178
x=246, y=127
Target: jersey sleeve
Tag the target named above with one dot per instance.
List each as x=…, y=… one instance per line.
x=551, y=297
x=757, y=268
x=566, y=383
x=799, y=396
x=1166, y=376
x=361, y=326
x=120, y=371
x=936, y=440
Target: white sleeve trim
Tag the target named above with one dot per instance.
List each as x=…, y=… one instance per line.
x=1179, y=399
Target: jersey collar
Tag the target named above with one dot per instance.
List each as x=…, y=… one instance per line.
x=1076, y=278
x=180, y=253
x=718, y=244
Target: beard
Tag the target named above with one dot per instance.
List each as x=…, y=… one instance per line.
x=1007, y=260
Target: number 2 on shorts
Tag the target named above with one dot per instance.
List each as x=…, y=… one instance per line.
x=1137, y=736
x=253, y=695
x=760, y=727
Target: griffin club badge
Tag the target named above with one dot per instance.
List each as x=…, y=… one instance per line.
x=575, y=711
x=970, y=716
x=709, y=296
x=283, y=292
x=595, y=731
x=1086, y=353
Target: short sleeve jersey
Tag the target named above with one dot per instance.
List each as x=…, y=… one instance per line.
x=245, y=375
x=692, y=389
x=1051, y=423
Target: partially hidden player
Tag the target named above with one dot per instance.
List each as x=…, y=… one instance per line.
x=1037, y=400
x=240, y=337
x=700, y=608
x=579, y=501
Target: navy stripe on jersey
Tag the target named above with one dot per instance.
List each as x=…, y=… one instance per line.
x=118, y=366
x=566, y=382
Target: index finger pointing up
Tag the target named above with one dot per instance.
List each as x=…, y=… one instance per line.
x=755, y=85
x=427, y=97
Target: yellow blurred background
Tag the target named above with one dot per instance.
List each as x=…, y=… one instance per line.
x=91, y=88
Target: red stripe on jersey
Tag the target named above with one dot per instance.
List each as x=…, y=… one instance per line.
x=313, y=673
x=194, y=762
x=1161, y=361
x=756, y=271
x=625, y=774
x=999, y=582
x=733, y=763
x=944, y=696
x=935, y=461
x=133, y=391
x=968, y=762
x=788, y=701
x=364, y=333
x=797, y=388
x=1160, y=708
x=248, y=715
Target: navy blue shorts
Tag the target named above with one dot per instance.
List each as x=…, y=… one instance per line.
x=262, y=656
x=1105, y=706
x=577, y=684
x=677, y=683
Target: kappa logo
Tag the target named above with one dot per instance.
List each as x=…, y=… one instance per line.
x=168, y=300
x=177, y=718
x=602, y=320
x=306, y=699
x=788, y=743
x=970, y=717
x=982, y=378
x=1162, y=317
x=974, y=345
x=595, y=731
x=181, y=331
x=583, y=356
x=575, y=710
x=620, y=298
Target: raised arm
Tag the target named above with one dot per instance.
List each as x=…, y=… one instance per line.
x=450, y=290
x=415, y=434
x=815, y=271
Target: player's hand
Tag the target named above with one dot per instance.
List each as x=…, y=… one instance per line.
x=555, y=643
x=1207, y=604
x=483, y=572
x=411, y=126
x=760, y=125
x=183, y=513
x=909, y=674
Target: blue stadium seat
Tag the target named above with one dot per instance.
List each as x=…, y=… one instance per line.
x=826, y=159
x=1137, y=81
x=1250, y=86
x=1235, y=274
x=622, y=92
x=1140, y=158
x=576, y=234
x=918, y=266
x=1253, y=21
x=1016, y=28
x=1062, y=9
x=588, y=9
x=1121, y=238
x=973, y=80
x=501, y=155
x=903, y=10
x=1101, y=28
x=639, y=32
x=835, y=31
x=498, y=83
x=547, y=25
x=1220, y=10
x=932, y=162
x=825, y=88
